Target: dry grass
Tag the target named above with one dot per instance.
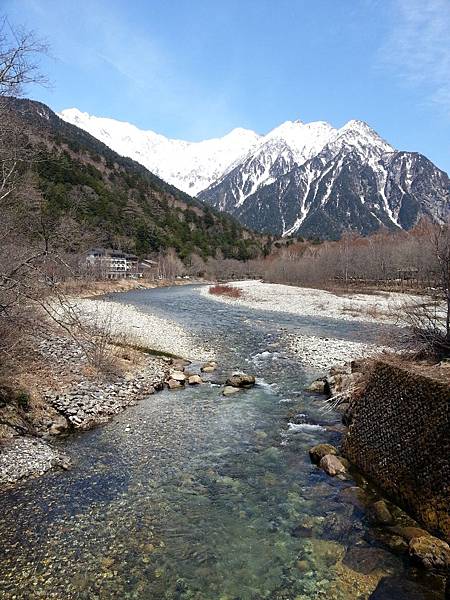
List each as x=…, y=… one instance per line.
x=225, y=290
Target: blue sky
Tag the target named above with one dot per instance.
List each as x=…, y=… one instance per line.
x=194, y=69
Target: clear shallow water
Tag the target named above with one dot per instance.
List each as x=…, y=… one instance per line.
x=205, y=497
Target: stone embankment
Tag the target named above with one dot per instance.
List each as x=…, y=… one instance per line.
x=398, y=436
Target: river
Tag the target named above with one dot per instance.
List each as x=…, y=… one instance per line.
x=190, y=495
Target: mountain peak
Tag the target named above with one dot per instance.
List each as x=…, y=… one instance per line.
x=308, y=178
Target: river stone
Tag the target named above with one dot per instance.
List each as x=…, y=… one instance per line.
x=241, y=380
x=195, y=380
x=59, y=425
x=317, y=386
x=208, y=368
x=379, y=513
x=316, y=453
x=178, y=376
x=364, y=559
x=229, y=390
x=331, y=465
x=173, y=384
x=397, y=588
x=430, y=552
x=354, y=495
x=180, y=363
x=408, y=533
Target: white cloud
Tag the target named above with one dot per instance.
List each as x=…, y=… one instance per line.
x=418, y=47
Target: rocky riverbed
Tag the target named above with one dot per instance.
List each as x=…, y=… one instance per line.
x=68, y=394
x=197, y=494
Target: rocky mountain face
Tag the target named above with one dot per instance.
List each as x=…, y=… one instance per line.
x=307, y=179
x=355, y=182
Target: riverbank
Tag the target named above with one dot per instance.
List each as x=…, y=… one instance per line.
x=133, y=327
x=383, y=307
x=89, y=289
x=321, y=352
x=70, y=383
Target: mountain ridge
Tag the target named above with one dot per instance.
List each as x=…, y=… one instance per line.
x=309, y=179
x=116, y=200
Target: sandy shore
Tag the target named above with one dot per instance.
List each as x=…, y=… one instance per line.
x=144, y=329
x=311, y=302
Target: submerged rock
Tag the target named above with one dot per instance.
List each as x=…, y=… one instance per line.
x=316, y=453
x=339, y=526
x=241, y=380
x=229, y=390
x=365, y=559
x=354, y=495
x=397, y=588
x=331, y=465
x=379, y=513
x=430, y=552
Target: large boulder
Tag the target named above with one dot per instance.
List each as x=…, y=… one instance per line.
x=430, y=552
x=240, y=380
x=332, y=465
x=316, y=453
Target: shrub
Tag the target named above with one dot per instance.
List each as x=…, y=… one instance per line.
x=225, y=290
x=23, y=399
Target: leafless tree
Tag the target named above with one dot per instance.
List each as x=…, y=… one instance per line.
x=20, y=51
x=441, y=245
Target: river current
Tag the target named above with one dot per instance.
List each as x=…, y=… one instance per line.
x=191, y=495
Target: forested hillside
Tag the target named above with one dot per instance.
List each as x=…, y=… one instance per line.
x=117, y=202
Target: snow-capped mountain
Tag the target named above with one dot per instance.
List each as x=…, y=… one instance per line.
x=190, y=166
x=306, y=179
x=350, y=179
